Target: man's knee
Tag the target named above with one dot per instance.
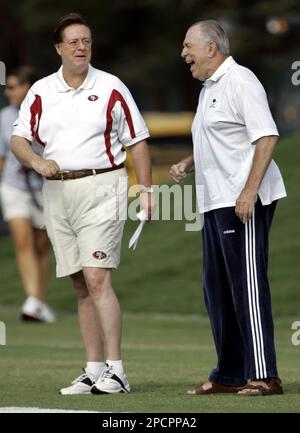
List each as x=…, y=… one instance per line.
x=97, y=280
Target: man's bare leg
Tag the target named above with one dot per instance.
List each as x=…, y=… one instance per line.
x=107, y=307
x=90, y=327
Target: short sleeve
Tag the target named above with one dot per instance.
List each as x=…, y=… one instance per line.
x=254, y=111
x=22, y=126
x=131, y=127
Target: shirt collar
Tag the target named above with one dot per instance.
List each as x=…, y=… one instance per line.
x=222, y=69
x=88, y=83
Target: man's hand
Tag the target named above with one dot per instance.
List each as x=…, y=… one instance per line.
x=245, y=204
x=264, y=149
x=45, y=167
x=147, y=203
x=178, y=172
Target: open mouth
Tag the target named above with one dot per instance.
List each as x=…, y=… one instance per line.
x=190, y=63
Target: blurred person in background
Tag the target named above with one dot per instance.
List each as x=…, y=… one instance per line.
x=22, y=208
x=234, y=137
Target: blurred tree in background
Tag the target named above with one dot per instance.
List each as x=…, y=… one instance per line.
x=141, y=40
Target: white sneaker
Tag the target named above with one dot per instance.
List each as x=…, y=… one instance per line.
x=35, y=310
x=47, y=314
x=81, y=385
x=111, y=383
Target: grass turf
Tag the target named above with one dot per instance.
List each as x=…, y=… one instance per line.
x=164, y=355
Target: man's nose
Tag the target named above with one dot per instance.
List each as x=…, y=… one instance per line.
x=183, y=52
x=81, y=45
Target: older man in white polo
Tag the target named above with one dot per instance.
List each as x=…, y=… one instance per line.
x=234, y=136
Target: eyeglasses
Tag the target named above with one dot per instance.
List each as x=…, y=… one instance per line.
x=74, y=43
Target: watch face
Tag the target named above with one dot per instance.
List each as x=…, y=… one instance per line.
x=147, y=189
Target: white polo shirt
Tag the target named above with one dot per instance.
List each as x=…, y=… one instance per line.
x=83, y=128
x=232, y=114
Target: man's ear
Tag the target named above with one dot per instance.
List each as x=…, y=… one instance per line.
x=212, y=48
x=58, y=50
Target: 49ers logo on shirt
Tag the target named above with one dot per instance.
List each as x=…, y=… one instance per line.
x=93, y=98
x=99, y=255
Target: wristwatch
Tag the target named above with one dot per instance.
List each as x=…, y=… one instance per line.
x=146, y=189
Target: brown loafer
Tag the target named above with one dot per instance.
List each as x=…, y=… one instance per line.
x=213, y=388
x=262, y=387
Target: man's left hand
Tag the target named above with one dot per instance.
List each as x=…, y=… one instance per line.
x=245, y=204
x=147, y=203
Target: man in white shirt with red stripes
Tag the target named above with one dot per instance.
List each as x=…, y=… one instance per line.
x=234, y=137
x=85, y=118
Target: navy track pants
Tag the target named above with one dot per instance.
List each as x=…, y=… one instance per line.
x=237, y=294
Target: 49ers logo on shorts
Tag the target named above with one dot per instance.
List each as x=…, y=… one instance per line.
x=99, y=255
x=93, y=98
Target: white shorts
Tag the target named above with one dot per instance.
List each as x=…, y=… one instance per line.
x=17, y=203
x=85, y=219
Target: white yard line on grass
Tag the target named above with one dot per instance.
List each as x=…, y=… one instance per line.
x=12, y=409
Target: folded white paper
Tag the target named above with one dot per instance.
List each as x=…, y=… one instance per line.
x=135, y=237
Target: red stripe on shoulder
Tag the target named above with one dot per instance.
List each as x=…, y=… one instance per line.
x=35, y=116
x=115, y=97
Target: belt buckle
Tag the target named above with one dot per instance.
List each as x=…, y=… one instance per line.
x=62, y=174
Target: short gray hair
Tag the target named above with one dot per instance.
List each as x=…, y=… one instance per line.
x=213, y=31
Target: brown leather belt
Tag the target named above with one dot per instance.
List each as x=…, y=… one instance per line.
x=77, y=174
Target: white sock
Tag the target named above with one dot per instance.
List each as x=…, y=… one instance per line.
x=94, y=368
x=117, y=365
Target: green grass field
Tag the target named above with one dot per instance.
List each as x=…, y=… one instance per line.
x=167, y=343
x=164, y=356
